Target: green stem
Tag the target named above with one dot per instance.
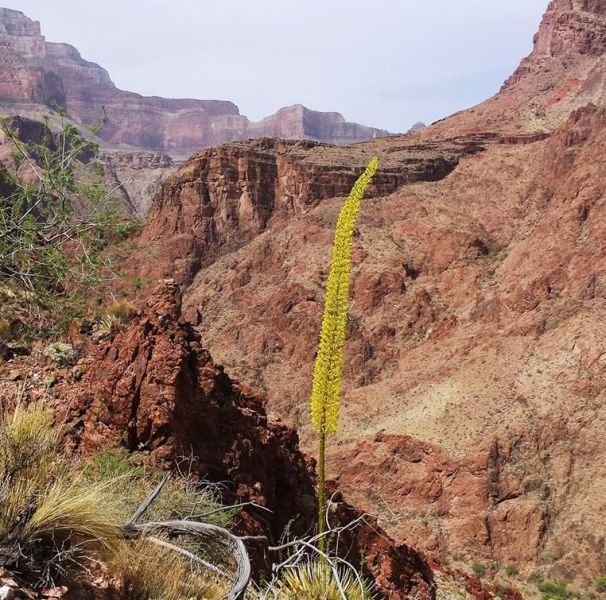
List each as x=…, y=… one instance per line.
x=322, y=492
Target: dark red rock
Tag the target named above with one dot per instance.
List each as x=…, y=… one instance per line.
x=153, y=388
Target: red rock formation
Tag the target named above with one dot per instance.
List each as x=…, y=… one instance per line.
x=475, y=369
x=34, y=72
x=395, y=568
x=227, y=195
x=153, y=388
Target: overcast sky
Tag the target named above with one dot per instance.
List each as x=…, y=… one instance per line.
x=386, y=63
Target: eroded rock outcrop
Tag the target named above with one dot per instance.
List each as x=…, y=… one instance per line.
x=153, y=388
x=565, y=71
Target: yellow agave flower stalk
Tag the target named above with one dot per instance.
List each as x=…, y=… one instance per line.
x=326, y=389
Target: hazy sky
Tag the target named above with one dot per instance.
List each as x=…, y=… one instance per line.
x=386, y=63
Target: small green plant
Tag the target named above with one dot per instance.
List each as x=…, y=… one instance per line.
x=512, y=570
x=325, y=395
x=110, y=463
x=535, y=578
x=600, y=584
x=316, y=580
x=62, y=354
x=478, y=569
x=554, y=590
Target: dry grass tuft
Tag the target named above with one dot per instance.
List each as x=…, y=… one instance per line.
x=116, y=315
x=59, y=523
x=152, y=572
x=50, y=523
x=122, y=310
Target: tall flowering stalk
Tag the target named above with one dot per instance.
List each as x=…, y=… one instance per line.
x=325, y=394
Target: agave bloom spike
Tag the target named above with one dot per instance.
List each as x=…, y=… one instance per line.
x=329, y=362
x=326, y=388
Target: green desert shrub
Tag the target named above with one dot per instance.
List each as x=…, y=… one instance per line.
x=600, y=584
x=478, y=569
x=512, y=570
x=60, y=226
x=61, y=354
x=554, y=590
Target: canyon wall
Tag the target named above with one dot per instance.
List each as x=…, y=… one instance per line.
x=473, y=403
x=34, y=73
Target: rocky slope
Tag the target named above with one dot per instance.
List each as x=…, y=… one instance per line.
x=152, y=388
x=34, y=72
x=565, y=71
x=473, y=408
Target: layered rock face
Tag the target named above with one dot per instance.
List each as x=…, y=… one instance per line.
x=473, y=404
x=225, y=196
x=34, y=72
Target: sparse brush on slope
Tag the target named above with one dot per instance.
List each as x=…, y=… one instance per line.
x=325, y=395
x=59, y=223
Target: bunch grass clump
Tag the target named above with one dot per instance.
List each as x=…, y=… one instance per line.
x=116, y=315
x=123, y=310
x=149, y=571
x=48, y=518
x=60, y=521
x=316, y=581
